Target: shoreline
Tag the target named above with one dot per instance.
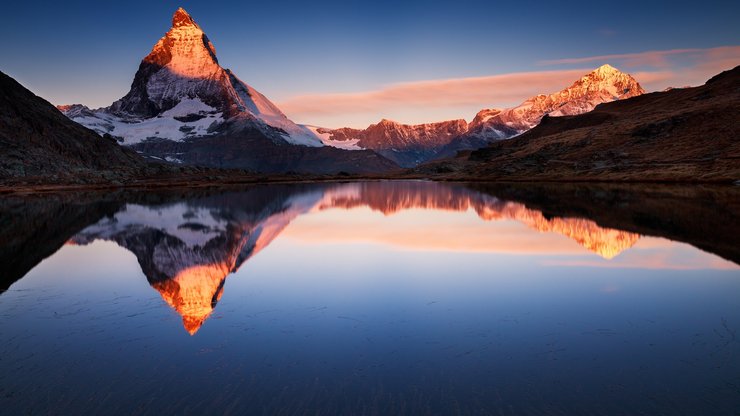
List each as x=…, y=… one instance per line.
x=184, y=183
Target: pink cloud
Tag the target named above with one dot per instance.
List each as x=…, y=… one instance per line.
x=649, y=58
x=456, y=92
x=445, y=99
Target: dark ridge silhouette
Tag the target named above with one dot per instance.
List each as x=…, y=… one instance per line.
x=37, y=141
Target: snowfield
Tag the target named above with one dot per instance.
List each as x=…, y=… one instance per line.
x=165, y=126
x=326, y=139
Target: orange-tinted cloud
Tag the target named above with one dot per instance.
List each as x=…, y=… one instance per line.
x=649, y=58
x=479, y=92
x=445, y=99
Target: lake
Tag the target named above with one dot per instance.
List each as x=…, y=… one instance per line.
x=372, y=298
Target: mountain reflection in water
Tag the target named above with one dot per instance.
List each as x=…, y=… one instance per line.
x=187, y=247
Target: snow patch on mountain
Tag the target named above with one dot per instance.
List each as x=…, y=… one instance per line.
x=263, y=109
x=189, y=118
x=325, y=135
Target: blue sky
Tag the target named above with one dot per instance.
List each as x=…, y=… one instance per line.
x=87, y=52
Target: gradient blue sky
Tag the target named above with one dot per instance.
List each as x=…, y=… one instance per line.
x=298, y=53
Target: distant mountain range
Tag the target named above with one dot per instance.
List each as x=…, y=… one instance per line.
x=407, y=145
x=683, y=134
x=410, y=145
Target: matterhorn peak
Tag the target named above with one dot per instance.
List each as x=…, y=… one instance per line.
x=182, y=18
x=182, y=92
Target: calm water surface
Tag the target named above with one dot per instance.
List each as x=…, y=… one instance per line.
x=373, y=298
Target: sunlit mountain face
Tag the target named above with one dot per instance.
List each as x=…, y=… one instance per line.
x=187, y=249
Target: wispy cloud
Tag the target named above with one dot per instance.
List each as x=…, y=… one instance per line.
x=445, y=99
x=660, y=69
x=649, y=58
x=483, y=92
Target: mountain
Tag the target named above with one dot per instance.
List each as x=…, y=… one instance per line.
x=407, y=145
x=180, y=91
x=410, y=145
x=680, y=135
x=183, y=107
x=602, y=85
x=40, y=144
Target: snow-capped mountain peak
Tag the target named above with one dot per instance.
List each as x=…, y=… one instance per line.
x=182, y=18
x=601, y=85
x=607, y=79
x=605, y=72
x=182, y=67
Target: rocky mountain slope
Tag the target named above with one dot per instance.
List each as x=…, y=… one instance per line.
x=182, y=101
x=38, y=143
x=410, y=145
x=686, y=134
x=407, y=145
